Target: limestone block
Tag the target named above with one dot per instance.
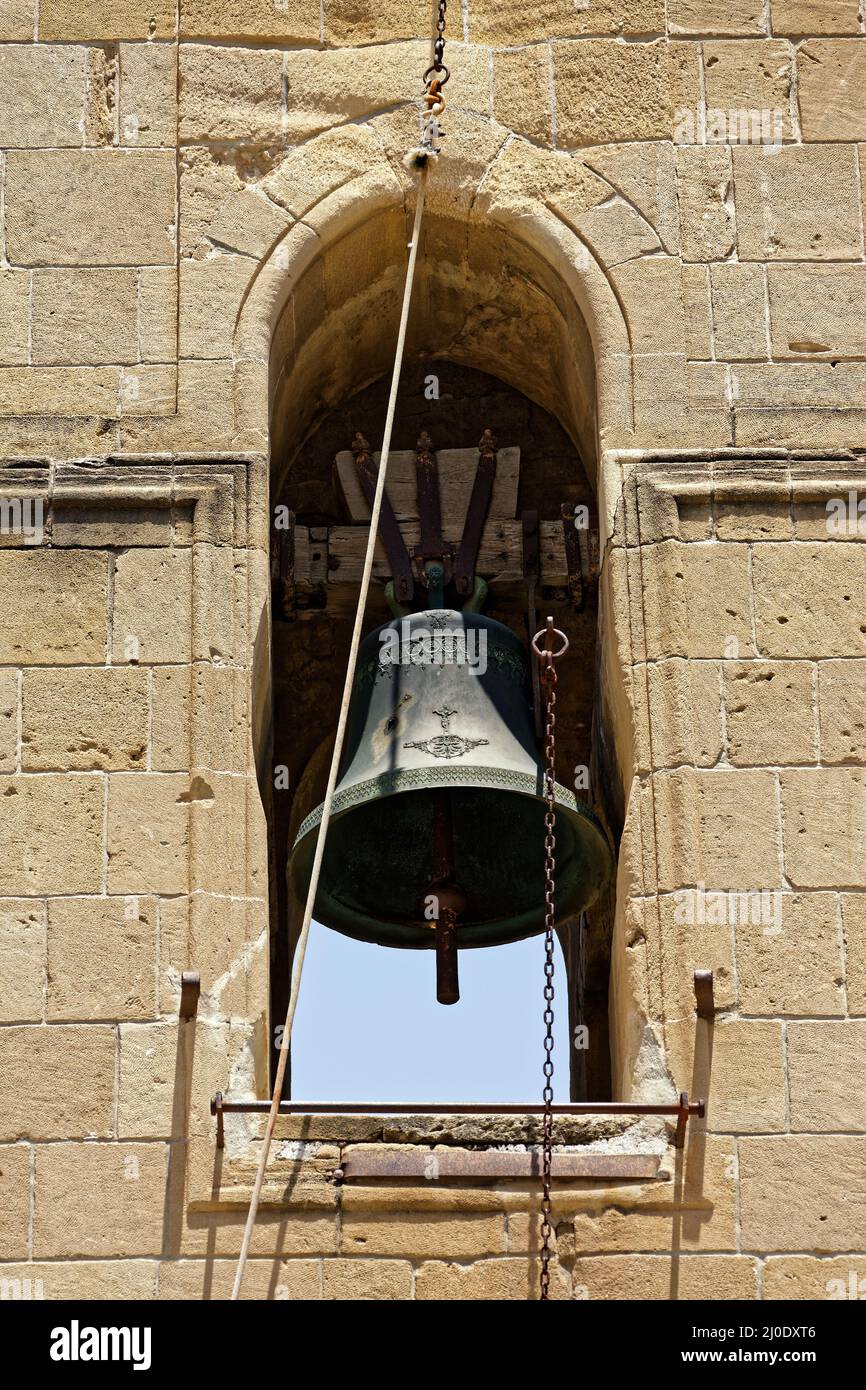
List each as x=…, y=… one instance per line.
x=607, y=91
x=222, y=835
x=68, y=629
x=29, y=436
x=824, y=820
x=17, y=19
x=616, y=232
x=741, y=1074
x=798, y=203
x=804, y=384
x=158, y=326
x=362, y=1280
x=15, y=1185
x=226, y=940
x=698, y=338
x=754, y=76
x=150, y=391
x=651, y=293
x=854, y=930
x=153, y=606
x=292, y=21
x=8, y=720
x=806, y=599
x=14, y=312
x=744, y=17
x=718, y=828
x=439, y=1235
x=815, y=17
x=818, y=309
x=66, y=391
x=740, y=313
x=99, y=1200
x=148, y=833
x=646, y=176
x=696, y=599
x=206, y=1279
x=59, y=1082
x=827, y=1075
x=205, y=417
x=830, y=76
x=687, y=946
x=842, y=711
x=308, y=175
x=230, y=93
x=808, y=1277
x=90, y=207
x=101, y=958
x=498, y=1279
x=35, y=859
x=817, y=1181
x=509, y=22
x=521, y=91
x=248, y=222
x=706, y=211
x=679, y=403
x=22, y=960
x=41, y=95
x=666, y=1277
x=86, y=316
x=83, y=1280
x=797, y=970
x=106, y=19
x=683, y=702
x=210, y=295
x=802, y=428
x=166, y=1078
x=148, y=94
x=200, y=718
x=81, y=720
x=770, y=715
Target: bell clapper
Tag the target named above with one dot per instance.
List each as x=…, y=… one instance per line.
x=451, y=900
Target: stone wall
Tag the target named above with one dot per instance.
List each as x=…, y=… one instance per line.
x=649, y=219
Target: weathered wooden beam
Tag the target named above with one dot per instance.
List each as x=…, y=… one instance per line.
x=456, y=476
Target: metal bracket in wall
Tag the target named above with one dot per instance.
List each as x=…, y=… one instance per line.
x=573, y=557
x=190, y=989
x=221, y=1106
x=705, y=1004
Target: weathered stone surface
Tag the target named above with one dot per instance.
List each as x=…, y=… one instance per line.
x=199, y=714
x=684, y=714
x=497, y=1279
x=101, y=958
x=831, y=74
x=165, y=1084
x=665, y=1277
x=81, y=720
x=770, y=714
x=22, y=960
x=292, y=21
x=808, y=1277
x=805, y=599
x=824, y=821
x=59, y=391
x=521, y=91
x=429, y=1236
x=41, y=95
x=148, y=94
x=704, y=194
x=817, y=1181
x=158, y=326
x=816, y=17
x=754, y=76
x=741, y=1077
x=148, y=833
x=509, y=22
x=210, y=295
x=716, y=17
x=106, y=19
x=797, y=969
x=740, y=313
x=842, y=711
x=719, y=828
x=80, y=1280
x=696, y=598
x=8, y=720
x=798, y=203
x=15, y=310
x=59, y=1082
x=651, y=293
x=362, y=1280
x=827, y=1075
x=854, y=929
x=230, y=93
x=88, y=316
x=818, y=309
x=646, y=176
x=207, y=1279
x=90, y=207
x=34, y=857
x=15, y=1184
x=17, y=19
x=99, y=1199
x=607, y=91
x=150, y=391
x=684, y=946
x=153, y=606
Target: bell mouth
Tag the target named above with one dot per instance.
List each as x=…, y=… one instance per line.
x=378, y=856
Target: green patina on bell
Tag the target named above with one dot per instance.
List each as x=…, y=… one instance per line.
x=442, y=711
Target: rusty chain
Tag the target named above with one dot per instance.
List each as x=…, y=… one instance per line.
x=547, y=656
x=437, y=67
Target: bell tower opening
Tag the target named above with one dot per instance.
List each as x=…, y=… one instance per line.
x=536, y=557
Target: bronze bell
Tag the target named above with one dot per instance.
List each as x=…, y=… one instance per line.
x=437, y=829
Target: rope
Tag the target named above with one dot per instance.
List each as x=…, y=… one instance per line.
x=301, y=948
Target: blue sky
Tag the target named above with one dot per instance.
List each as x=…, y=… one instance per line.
x=368, y=1025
